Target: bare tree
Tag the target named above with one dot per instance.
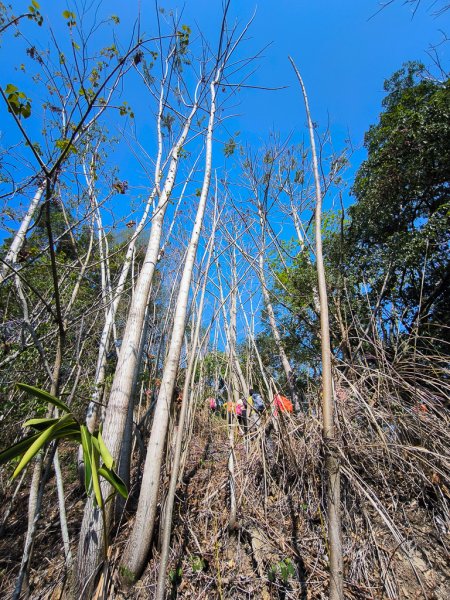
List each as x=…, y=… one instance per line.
x=141, y=535
x=331, y=455
x=90, y=548
x=195, y=347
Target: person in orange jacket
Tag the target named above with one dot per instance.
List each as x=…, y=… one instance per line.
x=282, y=404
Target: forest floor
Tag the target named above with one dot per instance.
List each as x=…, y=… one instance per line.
x=277, y=549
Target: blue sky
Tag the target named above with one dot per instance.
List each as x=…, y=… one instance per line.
x=344, y=56
x=344, y=51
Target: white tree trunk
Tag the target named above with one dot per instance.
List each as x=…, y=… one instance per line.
x=141, y=535
x=332, y=466
x=91, y=536
x=168, y=511
x=19, y=238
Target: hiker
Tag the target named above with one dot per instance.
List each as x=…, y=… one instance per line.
x=241, y=413
x=212, y=404
x=220, y=396
x=175, y=407
x=222, y=386
x=255, y=407
x=255, y=401
x=230, y=410
x=282, y=404
x=219, y=405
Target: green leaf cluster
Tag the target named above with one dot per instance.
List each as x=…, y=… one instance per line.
x=399, y=231
x=34, y=13
x=18, y=103
x=97, y=458
x=283, y=570
x=70, y=18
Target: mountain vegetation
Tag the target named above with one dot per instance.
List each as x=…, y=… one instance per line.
x=224, y=366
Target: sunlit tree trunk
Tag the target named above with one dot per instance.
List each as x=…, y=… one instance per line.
x=235, y=369
x=331, y=458
x=141, y=535
x=19, y=238
x=91, y=536
x=168, y=509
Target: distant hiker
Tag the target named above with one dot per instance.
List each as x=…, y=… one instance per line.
x=212, y=404
x=176, y=394
x=255, y=400
x=179, y=397
x=241, y=413
x=282, y=404
x=230, y=409
x=219, y=404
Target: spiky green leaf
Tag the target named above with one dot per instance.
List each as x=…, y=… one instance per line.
x=43, y=395
x=114, y=480
x=17, y=449
x=104, y=452
x=86, y=442
x=46, y=436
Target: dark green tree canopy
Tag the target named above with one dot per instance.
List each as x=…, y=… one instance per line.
x=398, y=235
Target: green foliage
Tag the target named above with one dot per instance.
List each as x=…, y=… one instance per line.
x=183, y=38
x=43, y=396
x=214, y=363
x=64, y=143
x=167, y=121
x=229, y=147
x=390, y=252
x=70, y=18
x=175, y=576
x=182, y=46
x=125, y=109
x=128, y=576
x=400, y=223
x=197, y=563
x=97, y=458
x=34, y=13
x=18, y=103
x=282, y=570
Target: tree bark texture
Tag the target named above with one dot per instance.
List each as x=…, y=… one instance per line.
x=332, y=466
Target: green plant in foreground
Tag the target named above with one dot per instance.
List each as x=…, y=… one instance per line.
x=175, y=576
x=197, y=563
x=283, y=569
x=97, y=458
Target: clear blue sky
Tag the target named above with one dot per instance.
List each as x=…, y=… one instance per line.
x=343, y=49
x=344, y=56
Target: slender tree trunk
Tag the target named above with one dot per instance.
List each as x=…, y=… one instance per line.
x=251, y=335
x=62, y=510
x=331, y=457
x=141, y=535
x=234, y=362
x=91, y=535
x=38, y=482
x=168, y=512
x=19, y=238
x=273, y=323
x=235, y=368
